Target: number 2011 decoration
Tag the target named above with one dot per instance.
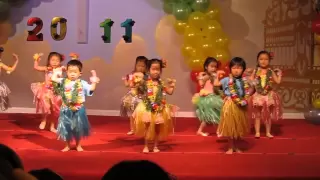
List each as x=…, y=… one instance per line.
x=35, y=35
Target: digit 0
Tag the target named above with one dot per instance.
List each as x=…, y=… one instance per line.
x=35, y=35
x=63, y=28
x=128, y=24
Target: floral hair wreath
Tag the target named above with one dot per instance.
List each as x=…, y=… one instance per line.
x=271, y=55
x=74, y=56
x=62, y=57
x=164, y=63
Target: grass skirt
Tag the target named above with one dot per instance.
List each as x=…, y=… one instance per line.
x=267, y=108
x=4, y=96
x=145, y=122
x=128, y=104
x=46, y=101
x=234, y=122
x=208, y=107
x=73, y=125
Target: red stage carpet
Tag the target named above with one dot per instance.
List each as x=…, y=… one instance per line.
x=295, y=152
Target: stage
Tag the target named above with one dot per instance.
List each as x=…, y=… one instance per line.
x=294, y=152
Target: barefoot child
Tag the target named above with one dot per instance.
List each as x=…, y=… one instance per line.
x=234, y=123
x=266, y=104
x=132, y=98
x=4, y=90
x=47, y=100
x=208, y=102
x=153, y=116
x=73, y=120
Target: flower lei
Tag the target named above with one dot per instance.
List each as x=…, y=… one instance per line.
x=268, y=82
x=71, y=99
x=154, y=101
x=241, y=101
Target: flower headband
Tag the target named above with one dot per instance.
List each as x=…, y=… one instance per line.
x=271, y=54
x=164, y=63
x=74, y=56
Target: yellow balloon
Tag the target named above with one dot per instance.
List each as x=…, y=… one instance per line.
x=180, y=26
x=197, y=20
x=206, y=46
x=212, y=28
x=221, y=55
x=213, y=13
x=192, y=35
x=195, y=63
x=316, y=103
x=221, y=40
x=188, y=51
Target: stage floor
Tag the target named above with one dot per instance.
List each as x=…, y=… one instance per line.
x=294, y=152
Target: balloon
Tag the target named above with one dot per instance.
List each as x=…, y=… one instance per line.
x=212, y=29
x=312, y=116
x=197, y=20
x=168, y=6
x=221, y=55
x=194, y=75
x=192, y=35
x=181, y=11
x=316, y=103
x=195, y=63
x=221, y=39
x=200, y=5
x=213, y=13
x=188, y=51
x=180, y=26
x=225, y=68
x=206, y=46
x=198, y=87
x=316, y=25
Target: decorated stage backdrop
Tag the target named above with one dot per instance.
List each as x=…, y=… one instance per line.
x=108, y=35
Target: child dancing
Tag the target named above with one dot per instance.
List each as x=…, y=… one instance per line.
x=153, y=116
x=4, y=89
x=73, y=120
x=234, y=123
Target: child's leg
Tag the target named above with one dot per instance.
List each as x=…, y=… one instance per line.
x=146, y=148
x=268, y=129
x=231, y=146
x=43, y=122
x=67, y=148
x=78, y=145
x=131, y=132
x=200, y=130
x=236, y=145
x=156, y=138
x=257, y=127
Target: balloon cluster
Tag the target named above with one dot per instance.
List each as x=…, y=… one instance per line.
x=198, y=22
x=313, y=115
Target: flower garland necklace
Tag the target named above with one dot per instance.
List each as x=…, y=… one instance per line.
x=154, y=101
x=268, y=82
x=72, y=98
x=234, y=91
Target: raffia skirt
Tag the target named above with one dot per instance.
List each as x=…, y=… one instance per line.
x=233, y=122
x=146, y=122
x=4, y=96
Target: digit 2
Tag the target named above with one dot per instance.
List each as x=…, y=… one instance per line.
x=35, y=35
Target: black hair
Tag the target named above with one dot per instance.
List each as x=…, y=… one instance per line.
x=140, y=59
x=75, y=62
x=263, y=52
x=51, y=54
x=208, y=61
x=238, y=61
x=142, y=170
x=45, y=174
x=155, y=61
x=10, y=156
x=1, y=49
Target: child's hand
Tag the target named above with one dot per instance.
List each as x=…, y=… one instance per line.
x=220, y=73
x=37, y=56
x=94, y=78
x=171, y=82
x=15, y=56
x=278, y=72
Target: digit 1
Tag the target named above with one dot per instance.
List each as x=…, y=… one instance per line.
x=63, y=28
x=106, y=25
x=33, y=34
x=128, y=30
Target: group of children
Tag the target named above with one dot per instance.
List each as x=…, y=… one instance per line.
x=229, y=102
